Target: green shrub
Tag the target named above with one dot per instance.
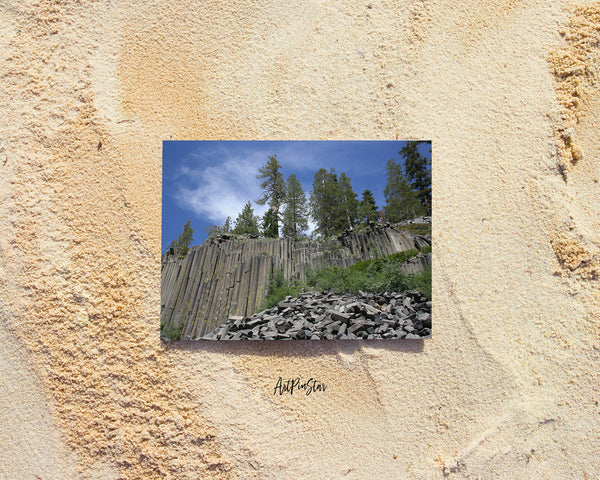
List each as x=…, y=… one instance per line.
x=402, y=257
x=171, y=332
x=421, y=281
x=279, y=288
x=378, y=275
x=279, y=294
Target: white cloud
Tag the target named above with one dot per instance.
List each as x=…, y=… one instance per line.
x=221, y=190
x=216, y=180
x=294, y=160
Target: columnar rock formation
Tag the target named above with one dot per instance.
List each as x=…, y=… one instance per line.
x=230, y=276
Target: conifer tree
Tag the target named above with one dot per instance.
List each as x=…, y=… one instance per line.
x=213, y=230
x=323, y=200
x=367, y=209
x=269, y=224
x=181, y=245
x=418, y=173
x=246, y=222
x=347, y=210
x=227, y=226
x=402, y=201
x=295, y=217
x=334, y=206
x=273, y=187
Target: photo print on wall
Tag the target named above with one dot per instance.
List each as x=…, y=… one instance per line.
x=296, y=240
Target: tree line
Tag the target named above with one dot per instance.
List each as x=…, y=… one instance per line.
x=332, y=204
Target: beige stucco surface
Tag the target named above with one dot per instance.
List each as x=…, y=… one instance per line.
x=507, y=91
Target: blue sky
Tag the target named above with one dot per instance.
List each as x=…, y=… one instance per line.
x=207, y=181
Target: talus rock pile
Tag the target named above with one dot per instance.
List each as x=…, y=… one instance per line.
x=329, y=316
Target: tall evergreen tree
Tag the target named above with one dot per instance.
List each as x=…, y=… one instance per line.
x=367, y=209
x=181, y=245
x=323, y=201
x=418, y=172
x=334, y=206
x=295, y=216
x=269, y=224
x=347, y=211
x=402, y=201
x=273, y=186
x=246, y=222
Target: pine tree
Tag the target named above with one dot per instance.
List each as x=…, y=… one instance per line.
x=367, y=209
x=402, y=201
x=347, y=210
x=418, y=172
x=334, y=206
x=273, y=186
x=181, y=245
x=295, y=217
x=227, y=226
x=246, y=222
x=323, y=200
x=269, y=224
x=213, y=230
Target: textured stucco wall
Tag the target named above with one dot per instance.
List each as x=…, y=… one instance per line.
x=507, y=91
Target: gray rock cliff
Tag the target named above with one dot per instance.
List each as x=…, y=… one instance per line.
x=225, y=277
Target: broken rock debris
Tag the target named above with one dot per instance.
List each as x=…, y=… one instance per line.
x=329, y=316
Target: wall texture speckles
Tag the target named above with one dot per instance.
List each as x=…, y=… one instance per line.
x=508, y=386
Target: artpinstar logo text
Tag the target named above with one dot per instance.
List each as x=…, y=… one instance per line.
x=295, y=384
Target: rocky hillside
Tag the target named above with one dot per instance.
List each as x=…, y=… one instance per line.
x=229, y=276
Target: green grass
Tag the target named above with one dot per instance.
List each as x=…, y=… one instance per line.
x=379, y=275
